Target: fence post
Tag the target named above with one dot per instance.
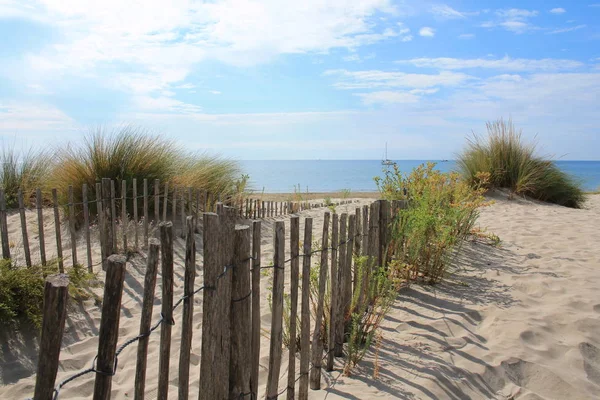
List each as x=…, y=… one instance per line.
x=338, y=345
x=358, y=232
x=384, y=224
x=113, y=207
x=109, y=326
x=188, y=310
x=215, y=349
x=275, y=347
x=61, y=265
x=305, y=311
x=347, y=289
x=86, y=226
x=255, y=331
x=156, y=201
x=146, y=318
x=72, y=226
x=99, y=220
x=182, y=212
x=40, y=215
x=124, y=221
x=165, y=201
x=106, y=231
x=135, y=213
x=53, y=325
x=294, y=276
x=365, y=230
x=166, y=252
x=4, y=226
x=241, y=351
x=197, y=211
x=373, y=248
x=174, y=204
x=317, y=340
x=333, y=309
x=24, y=228
x=146, y=214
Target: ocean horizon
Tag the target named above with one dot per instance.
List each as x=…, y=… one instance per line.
x=286, y=176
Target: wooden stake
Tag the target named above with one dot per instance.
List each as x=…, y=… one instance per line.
x=334, y=288
x=305, y=311
x=4, y=226
x=241, y=351
x=53, y=324
x=317, y=340
x=124, y=219
x=146, y=318
x=61, y=265
x=275, y=347
x=341, y=284
x=165, y=201
x=86, y=225
x=156, y=201
x=146, y=214
x=135, y=213
x=24, y=228
x=113, y=207
x=294, y=276
x=166, y=251
x=40, y=215
x=72, y=226
x=215, y=349
x=109, y=326
x=255, y=330
x=188, y=310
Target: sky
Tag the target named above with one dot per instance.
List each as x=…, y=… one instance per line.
x=307, y=79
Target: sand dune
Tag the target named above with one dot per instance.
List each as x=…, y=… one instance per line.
x=521, y=321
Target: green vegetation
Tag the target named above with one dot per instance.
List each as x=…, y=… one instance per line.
x=22, y=290
x=441, y=212
x=503, y=160
x=26, y=170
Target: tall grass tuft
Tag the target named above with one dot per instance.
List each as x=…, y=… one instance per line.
x=129, y=153
x=26, y=170
x=506, y=161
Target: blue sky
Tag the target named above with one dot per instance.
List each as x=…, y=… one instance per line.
x=303, y=80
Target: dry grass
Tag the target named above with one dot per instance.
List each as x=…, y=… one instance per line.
x=26, y=170
x=506, y=161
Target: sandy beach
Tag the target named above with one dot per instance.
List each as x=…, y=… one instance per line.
x=518, y=321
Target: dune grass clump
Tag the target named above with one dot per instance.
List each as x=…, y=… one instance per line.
x=441, y=212
x=26, y=170
x=129, y=153
x=504, y=160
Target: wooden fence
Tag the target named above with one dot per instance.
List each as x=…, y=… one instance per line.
x=230, y=340
x=131, y=216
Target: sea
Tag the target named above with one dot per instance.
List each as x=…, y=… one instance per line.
x=286, y=176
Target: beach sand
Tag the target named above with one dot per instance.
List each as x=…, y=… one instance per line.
x=517, y=321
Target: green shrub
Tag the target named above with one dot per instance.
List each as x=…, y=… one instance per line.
x=22, y=290
x=441, y=211
x=26, y=170
x=506, y=161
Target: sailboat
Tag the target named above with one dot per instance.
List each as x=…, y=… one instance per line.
x=386, y=160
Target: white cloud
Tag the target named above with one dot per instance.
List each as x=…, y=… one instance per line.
x=506, y=63
x=215, y=92
x=387, y=97
x=569, y=29
x=404, y=33
x=374, y=79
x=427, y=31
x=558, y=10
x=164, y=103
x=185, y=86
x=466, y=36
x=163, y=41
x=515, y=20
x=17, y=116
x=446, y=12
x=351, y=57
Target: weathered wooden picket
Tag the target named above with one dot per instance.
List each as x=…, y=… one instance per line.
x=230, y=340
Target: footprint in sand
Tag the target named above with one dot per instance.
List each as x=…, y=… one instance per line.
x=591, y=361
x=597, y=308
x=539, y=380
